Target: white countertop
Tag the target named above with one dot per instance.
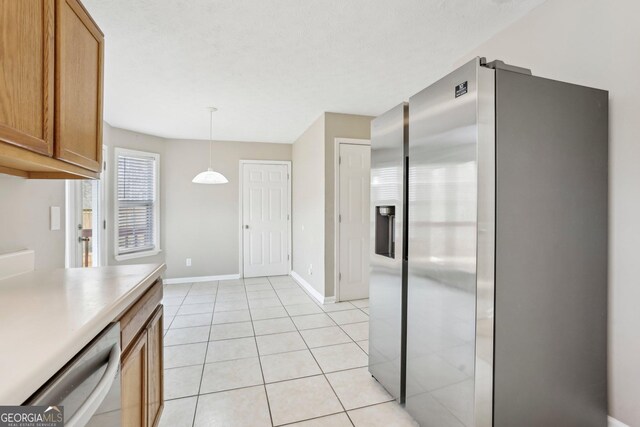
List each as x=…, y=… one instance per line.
x=48, y=316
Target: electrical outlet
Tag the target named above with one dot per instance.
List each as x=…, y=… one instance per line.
x=54, y=216
x=188, y=262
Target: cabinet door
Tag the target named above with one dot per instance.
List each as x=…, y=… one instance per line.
x=79, y=69
x=155, y=372
x=134, y=384
x=27, y=73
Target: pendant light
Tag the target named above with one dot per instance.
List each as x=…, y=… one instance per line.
x=210, y=176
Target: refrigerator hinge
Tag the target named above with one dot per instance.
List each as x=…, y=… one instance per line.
x=500, y=65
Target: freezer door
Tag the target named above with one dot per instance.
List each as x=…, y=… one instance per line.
x=449, y=132
x=387, y=283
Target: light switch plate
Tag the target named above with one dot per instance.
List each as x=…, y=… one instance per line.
x=54, y=216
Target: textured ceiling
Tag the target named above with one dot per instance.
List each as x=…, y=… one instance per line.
x=273, y=66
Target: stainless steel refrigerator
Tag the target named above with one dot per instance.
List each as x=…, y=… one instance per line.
x=388, y=274
x=507, y=251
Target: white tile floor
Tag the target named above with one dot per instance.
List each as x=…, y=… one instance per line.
x=261, y=352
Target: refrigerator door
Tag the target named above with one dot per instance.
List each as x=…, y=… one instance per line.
x=387, y=283
x=449, y=129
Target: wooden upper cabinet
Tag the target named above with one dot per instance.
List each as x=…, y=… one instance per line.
x=78, y=88
x=27, y=74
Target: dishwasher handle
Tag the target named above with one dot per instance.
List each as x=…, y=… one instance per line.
x=97, y=396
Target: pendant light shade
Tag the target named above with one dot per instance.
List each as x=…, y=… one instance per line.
x=210, y=176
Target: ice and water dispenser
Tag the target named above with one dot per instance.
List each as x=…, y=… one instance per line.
x=385, y=231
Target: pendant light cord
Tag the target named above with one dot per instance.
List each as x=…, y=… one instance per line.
x=210, y=138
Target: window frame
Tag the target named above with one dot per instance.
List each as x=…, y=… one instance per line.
x=118, y=151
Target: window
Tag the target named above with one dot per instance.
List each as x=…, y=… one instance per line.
x=137, y=230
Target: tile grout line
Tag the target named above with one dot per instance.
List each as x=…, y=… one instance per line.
x=331, y=385
x=272, y=318
x=204, y=362
x=288, y=316
x=340, y=326
x=314, y=418
x=172, y=317
x=321, y=370
x=292, y=422
x=255, y=341
x=352, y=340
x=271, y=382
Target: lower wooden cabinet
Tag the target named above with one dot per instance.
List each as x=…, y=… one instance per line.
x=142, y=374
x=134, y=380
x=155, y=380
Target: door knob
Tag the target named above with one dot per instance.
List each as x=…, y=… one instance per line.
x=246, y=226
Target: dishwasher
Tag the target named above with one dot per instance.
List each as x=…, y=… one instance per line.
x=88, y=387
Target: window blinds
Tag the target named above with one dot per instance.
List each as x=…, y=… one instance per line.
x=136, y=194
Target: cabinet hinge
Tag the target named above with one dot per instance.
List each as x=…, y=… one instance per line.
x=287, y=257
x=339, y=218
x=339, y=276
x=287, y=217
x=339, y=160
x=104, y=224
x=287, y=175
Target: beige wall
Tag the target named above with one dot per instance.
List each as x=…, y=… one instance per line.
x=24, y=213
x=337, y=126
x=24, y=219
x=202, y=220
x=595, y=43
x=313, y=196
x=308, y=204
x=196, y=221
x=120, y=138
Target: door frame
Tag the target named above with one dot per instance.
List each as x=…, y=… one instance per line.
x=336, y=207
x=72, y=203
x=240, y=210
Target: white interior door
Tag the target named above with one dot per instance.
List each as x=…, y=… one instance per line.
x=265, y=219
x=354, y=183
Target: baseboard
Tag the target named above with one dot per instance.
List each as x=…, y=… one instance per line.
x=615, y=423
x=196, y=279
x=311, y=290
